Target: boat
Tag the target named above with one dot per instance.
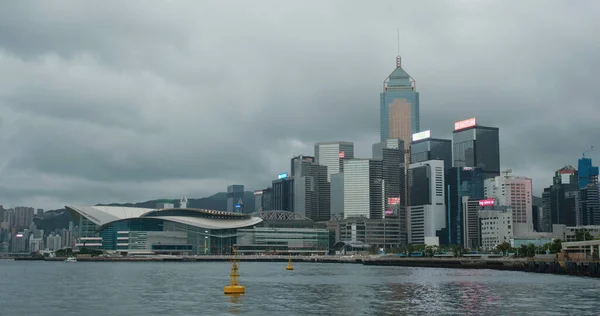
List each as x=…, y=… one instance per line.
x=71, y=259
x=234, y=287
x=289, y=266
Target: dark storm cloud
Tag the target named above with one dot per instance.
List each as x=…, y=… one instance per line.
x=127, y=101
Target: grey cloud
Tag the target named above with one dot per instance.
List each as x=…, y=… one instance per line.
x=114, y=101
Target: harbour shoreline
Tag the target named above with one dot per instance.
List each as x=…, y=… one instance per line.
x=582, y=268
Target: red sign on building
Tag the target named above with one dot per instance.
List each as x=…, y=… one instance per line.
x=487, y=202
x=394, y=201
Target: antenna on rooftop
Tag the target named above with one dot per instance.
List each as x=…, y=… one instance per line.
x=398, y=59
x=398, y=42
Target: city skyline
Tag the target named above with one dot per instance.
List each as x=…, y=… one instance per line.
x=134, y=119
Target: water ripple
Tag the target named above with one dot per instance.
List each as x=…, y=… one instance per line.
x=147, y=288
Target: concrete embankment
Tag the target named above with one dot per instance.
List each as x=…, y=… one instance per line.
x=321, y=259
x=455, y=263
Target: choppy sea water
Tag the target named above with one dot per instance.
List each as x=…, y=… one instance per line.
x=156, y=288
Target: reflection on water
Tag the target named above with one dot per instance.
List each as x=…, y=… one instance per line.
x=146, y=288
x=235, y=305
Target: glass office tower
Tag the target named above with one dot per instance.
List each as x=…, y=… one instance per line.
x=477, y=146
x=399, y=106
x=432, y=149
x=461, y=182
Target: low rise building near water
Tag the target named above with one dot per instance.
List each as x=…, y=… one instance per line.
x=131, y=230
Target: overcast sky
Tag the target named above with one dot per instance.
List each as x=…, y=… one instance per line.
x=125, y=101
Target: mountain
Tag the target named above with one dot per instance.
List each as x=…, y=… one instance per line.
x=537, y=200
x=59, y=219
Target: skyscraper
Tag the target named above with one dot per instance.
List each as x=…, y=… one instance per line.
x=258, y=200
x=282, y=197
x=589, y=205
x=295, y=159
x=235, y=194
x=332, y=155
x=391, y=154
x=399, y=106
x=311, y=189
x=460, y=182
x=514, y=192
x=561, y=199
x=427, y=211
x=363, y=188
x=477, y=146
x=425, y=148
x=587, y=173
x=337, y=196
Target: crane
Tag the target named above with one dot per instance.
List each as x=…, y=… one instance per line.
x=587, y=151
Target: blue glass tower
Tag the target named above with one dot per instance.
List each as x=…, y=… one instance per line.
x=399, y=106
x=587, y=173
x=460, y=182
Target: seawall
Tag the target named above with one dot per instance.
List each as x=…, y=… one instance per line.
x=577, y=268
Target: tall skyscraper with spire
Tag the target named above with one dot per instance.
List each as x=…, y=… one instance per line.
x=399, y=106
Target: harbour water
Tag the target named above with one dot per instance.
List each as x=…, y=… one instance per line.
x=161, y=288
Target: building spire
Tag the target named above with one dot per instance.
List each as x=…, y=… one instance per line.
x=398, y=59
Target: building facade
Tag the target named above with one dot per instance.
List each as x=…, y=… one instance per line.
x=516, y=193
x=587, y=173
x=332, y=155
x=312, y=194
x=258, y=200
x=141, y=230
x=589, y=204
x=424, y=149
x=561, y=200
x=496, y=227
x=471, y=233
x=476, y=146
x=298, y=241
x=378, y=233
x=235, y=194
x=427, y=200
x=399, y=106
x=460, y=182
x=282, y=194
x=363, y=188
x=337, y=196
x=391, y=154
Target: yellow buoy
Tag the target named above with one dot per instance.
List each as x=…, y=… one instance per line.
x=234, y=287
x=289, y=266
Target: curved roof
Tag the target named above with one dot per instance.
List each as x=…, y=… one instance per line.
x=210, y=219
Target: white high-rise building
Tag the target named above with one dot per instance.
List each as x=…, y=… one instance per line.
x=496, y=227
x=513, y=192
x=53, y=242
x=363, y=188
x=332, y=155
x=427, y=202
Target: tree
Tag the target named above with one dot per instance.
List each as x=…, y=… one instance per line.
x=409, y=249
x=582, y=235
x=429, y=251
x=531, y=250
x=504, y=247
x=457, y=250
x=556, y=246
